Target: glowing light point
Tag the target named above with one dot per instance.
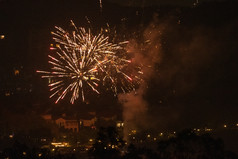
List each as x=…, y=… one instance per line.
x=2, y=37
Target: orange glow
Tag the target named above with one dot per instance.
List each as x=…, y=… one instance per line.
x=16, y=72
x=60, y=144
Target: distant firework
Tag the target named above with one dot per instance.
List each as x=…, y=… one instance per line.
x=100, y=1
x=85, y=62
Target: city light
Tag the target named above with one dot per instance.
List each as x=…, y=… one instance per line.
x=43, y=140
x=60, y=144
x=16, y=72
x=11, y=136
x=208, y=129
x=2, y=37
x=120, y=124
x=133, y=131
x=7, y=94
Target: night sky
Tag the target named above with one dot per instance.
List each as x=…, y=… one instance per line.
x=158, y=2
x=193, y=75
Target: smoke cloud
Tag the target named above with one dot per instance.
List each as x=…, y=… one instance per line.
x=189, y=75
x=146, y=54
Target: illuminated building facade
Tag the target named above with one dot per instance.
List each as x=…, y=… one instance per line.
x=68, y=124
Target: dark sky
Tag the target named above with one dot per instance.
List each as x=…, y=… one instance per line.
x=193, y=84
x=152, y=2
x=158, y=2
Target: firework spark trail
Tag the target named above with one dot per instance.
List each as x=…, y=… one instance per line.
x=100, y=1
x=84, y=61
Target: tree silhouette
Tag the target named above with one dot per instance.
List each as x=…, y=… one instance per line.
x=188, y=145
x=139, y=153
x=108, y=144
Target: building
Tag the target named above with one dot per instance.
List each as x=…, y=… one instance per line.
x=70, y=124
x=47, y=118
x=88, y=122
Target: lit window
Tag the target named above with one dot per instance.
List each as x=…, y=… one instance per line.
x=16, y=72
x=133, y=131
x=7, y=94
x=43, y=139
x=118, y=125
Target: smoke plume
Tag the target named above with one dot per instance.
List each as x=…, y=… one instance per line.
x=146, y=54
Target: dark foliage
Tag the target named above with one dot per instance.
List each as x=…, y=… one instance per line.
x=108, y=144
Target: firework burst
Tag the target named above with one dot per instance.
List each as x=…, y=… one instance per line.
x=84, y=61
